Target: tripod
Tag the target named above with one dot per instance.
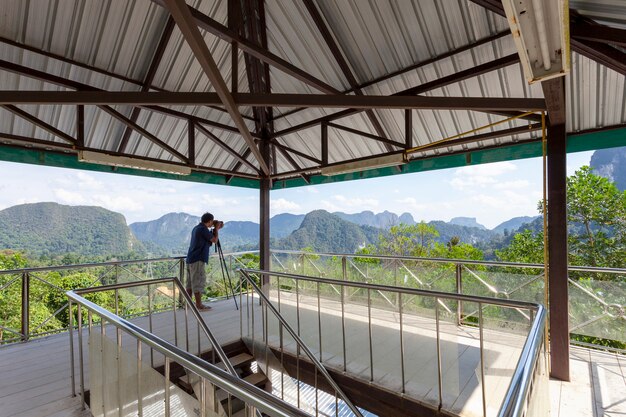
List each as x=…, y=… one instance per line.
x=218, y=250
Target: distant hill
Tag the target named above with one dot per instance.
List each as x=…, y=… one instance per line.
x=472, y=235
x=611, y=164
x=326, y=232
x=169, y=232
x=283, y=224
x=467, y=222
x=382, y=220
x=513, y=224
x=55, y=229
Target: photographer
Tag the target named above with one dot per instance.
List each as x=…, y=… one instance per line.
x=202, y=237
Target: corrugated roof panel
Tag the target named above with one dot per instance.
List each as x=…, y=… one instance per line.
x=608, y=12
x=293, y=35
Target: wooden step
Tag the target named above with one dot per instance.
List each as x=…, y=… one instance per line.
x=238, y=361
x=257, y=379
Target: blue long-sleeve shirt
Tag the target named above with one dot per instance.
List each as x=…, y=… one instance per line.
x=200, y=244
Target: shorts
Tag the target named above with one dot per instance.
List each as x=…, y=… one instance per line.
x=196, y=276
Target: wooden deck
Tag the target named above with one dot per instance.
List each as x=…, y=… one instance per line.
x=36, y=378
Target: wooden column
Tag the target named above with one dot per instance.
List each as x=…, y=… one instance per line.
x=557, y=252
x=264, y=215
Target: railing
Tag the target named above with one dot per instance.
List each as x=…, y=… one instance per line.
x=353, y=327
x=122, y=381
x=262, y=350
x=597, y=296
x=33, y=301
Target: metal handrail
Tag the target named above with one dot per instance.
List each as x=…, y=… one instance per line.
x=301, y=343
x=455, y=261
x=257, y=397
x=216, y=346
x=517, y=393
x=413, y=291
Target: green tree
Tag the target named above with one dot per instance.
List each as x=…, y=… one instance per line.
x=596, y=217
x=408, y=240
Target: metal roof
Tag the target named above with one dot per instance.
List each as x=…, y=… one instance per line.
x=114, y=46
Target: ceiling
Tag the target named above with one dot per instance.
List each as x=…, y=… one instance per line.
x=284, y=50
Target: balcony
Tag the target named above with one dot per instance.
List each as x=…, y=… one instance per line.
x=389, y=331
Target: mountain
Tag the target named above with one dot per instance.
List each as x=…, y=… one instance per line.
x=513, y=224
x=235, y=234
x=467, y=222
x=611, y=164
x=169, y=232
x=471, y=235
x=326, y=232
x=382, y=220
x=54, y=229
x=283, y=224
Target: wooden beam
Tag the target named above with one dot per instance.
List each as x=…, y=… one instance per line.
x=557, y=253
x=80, y=126
x=39, y=123
x=295, y=152
x=367, y=135
x=354, y=103
x=191, y=142
x=143, y=132
x=66, y=83
x=186, y=23
x=441, y=82
x=227, y=148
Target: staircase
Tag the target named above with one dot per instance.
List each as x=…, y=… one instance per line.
x=241, y=359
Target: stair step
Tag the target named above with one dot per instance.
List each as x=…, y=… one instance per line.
x=237, y=361
x=257, y=379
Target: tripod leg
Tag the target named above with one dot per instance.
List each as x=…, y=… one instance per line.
x=225, y=267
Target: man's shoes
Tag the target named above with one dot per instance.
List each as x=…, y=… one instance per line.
x=204, y=307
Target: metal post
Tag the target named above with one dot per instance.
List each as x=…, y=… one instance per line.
x=120, y=406
x=117, y=279
x=369, y=325
x=482, y=358
x=439, y=376
x=174, y=311
x=319, y=319
x=186, y=327
x=150, y=322
x=71, y=332
x=25, y=306
x=139, y=394
x=80, y=357
x=401, y=341
x=459, y=290
x=343, y=324
x=203, y=397
x=102, y=339
x=344, y=268
x=167, y=387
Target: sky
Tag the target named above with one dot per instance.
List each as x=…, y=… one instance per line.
x=492, y=193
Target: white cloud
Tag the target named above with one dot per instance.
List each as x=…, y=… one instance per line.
x=480, y=176
x=69, y=197
x=119, y=203
x=282, y=204
x=86, y=181
x=512, y=185
x=356, y=202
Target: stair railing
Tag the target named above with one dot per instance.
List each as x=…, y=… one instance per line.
x=528, y=384
x=254, y=293
x=178, y=295
x=255, y=399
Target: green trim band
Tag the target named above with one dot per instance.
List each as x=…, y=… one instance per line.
x=576, y=142
x=62, y=160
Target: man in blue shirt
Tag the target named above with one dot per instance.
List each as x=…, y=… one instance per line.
x=198, y=256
